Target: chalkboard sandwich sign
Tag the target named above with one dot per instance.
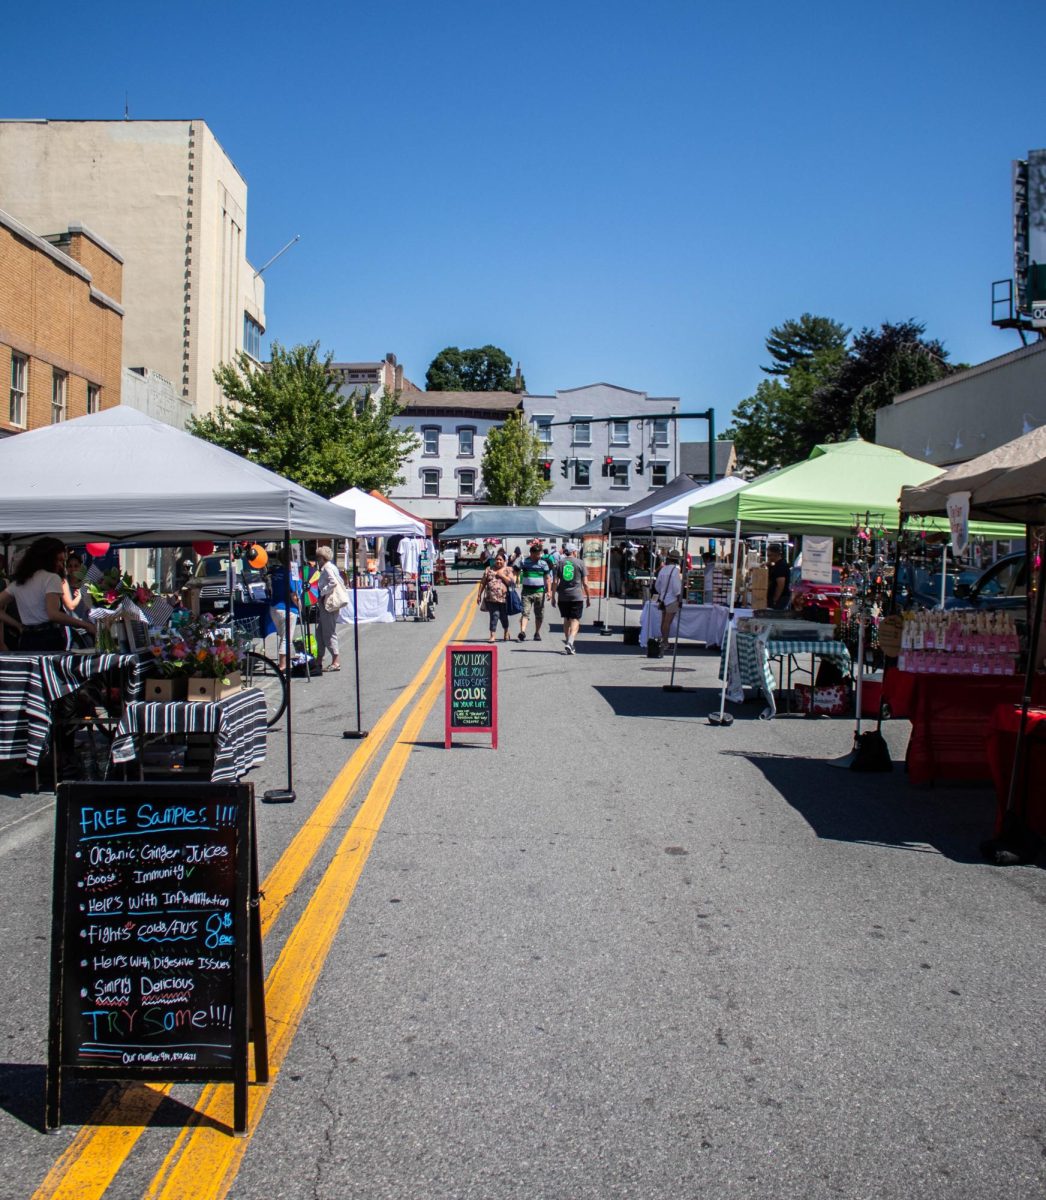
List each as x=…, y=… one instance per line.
x=156, y=967
x=471, y=691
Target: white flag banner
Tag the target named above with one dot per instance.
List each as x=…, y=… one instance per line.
x=817, y=559
x=959, y=519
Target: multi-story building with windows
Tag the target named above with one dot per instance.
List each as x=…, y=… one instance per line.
x=169, y=197
x=372, y=378
x=607, y=446
x=443, y=475
x=61, y=322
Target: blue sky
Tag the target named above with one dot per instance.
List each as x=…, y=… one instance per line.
x=620, y=192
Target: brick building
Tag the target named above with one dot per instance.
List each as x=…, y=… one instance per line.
x=61, y=325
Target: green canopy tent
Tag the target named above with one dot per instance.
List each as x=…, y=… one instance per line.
x=824, y=494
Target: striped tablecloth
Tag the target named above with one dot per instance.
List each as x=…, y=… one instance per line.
x=237, y=723
x=31, y=683
x=751, y=666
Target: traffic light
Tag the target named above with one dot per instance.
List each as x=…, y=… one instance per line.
x=564, y=467
x=608, y=462
x=639, y=464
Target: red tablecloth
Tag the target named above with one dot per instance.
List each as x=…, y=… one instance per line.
x=1031, y=786
x=951, y=720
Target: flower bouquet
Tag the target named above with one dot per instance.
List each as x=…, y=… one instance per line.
x=208, y=656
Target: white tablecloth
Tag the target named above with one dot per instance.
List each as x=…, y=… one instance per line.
x=376, y=605
x=701, y=623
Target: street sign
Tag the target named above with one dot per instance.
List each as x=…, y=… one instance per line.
x=471, y=683
x=156, y=968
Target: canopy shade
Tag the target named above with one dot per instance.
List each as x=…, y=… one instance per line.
x=120, y=476
x=670, y=514
x=375, y=518
x=503, y=522
x=616, y=521
x=826, y=493
x=1008, y=483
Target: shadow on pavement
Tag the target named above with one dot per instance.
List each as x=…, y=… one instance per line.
x=22, y=1087
x=650, y=700
x=880, y=809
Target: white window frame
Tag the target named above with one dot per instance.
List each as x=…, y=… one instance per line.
x=59, y=396
x=425, y=473
x=616, y=438
x=657, y=468
x=425, y=431
x=581, y=432
x=94, y=398
x=471, y=472
x=660, y=436
x=577, y=481
x=616, y=467
x=471, y=431
x=18, y=410
x=542, y=423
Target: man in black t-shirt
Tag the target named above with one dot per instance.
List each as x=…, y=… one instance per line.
x=779, y=590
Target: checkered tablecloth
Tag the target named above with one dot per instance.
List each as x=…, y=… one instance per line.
x=775, y=647
x=750, y=664
x=30, y=684
x=237, y=723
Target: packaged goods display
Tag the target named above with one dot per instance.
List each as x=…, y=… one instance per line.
x=959, y=643
x=720, y=585
x=758, y=586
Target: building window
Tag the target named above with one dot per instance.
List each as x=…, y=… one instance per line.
x=543, y=428
x=430, y=482
x=466, y=483
x=430, y=439
x=466, y=439
x=582, y=431
x=658, y=474
x=59, y=379
x=252, y=336
x=661, y=431
x=94, y=398
x=18, y=394
x=620, y=474
x=619, y=433
x=582, y=472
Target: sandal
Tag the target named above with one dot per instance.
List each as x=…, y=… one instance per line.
x=334, y=667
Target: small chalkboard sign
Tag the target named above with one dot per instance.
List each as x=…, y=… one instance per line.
x=156, y=968
x=471, y=691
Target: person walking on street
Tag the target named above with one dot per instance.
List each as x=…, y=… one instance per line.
x=536, y=587
x=669, y=588
x=329, y=579
x=571, y=594
x=493, y=594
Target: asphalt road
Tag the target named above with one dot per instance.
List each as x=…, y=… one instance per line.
x=625, y=955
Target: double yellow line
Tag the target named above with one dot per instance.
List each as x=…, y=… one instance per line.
x=203, y=1161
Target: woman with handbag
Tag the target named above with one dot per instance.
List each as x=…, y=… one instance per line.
x=493, y=594
x=333, y=596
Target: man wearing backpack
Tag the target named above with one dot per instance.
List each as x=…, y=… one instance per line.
x=571, y=594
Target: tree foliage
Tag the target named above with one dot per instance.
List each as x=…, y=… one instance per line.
x=291, y=418
x=822, y=390
x=487, y=369
x=512, y=471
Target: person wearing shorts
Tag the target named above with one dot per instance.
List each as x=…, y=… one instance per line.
x=535, y=577
x=668, y=587
x=571, y=594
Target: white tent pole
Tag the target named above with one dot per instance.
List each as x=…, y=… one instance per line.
x=944, y=574
x=730, y=619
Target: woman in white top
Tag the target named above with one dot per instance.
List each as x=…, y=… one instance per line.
x=38, y=588
x=329, y=580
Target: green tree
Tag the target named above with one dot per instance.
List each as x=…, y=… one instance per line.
x=291, y=418
x=804, y=340
x=882, y=363
x=487, y=369
x=512, y=471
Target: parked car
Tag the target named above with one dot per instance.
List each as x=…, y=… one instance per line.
x=1002, y=585
x=921, y=588
x=213, y=571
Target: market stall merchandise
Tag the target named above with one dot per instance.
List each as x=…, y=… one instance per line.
x=1001, y=739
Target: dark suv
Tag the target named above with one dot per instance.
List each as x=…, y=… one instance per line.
x=213, y=570
x=1002, y=585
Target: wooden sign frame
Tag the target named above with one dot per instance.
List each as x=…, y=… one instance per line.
x=449, y=728
x=91, y=891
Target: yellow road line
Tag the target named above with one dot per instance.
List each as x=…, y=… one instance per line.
x=92, y=1159
x=203, y=1163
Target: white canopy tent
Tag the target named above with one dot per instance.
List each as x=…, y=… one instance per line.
x=671, y=515
x=120, y=476
x=375, y=518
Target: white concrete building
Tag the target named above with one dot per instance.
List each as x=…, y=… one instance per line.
x=167, y=194
x=444, y=473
